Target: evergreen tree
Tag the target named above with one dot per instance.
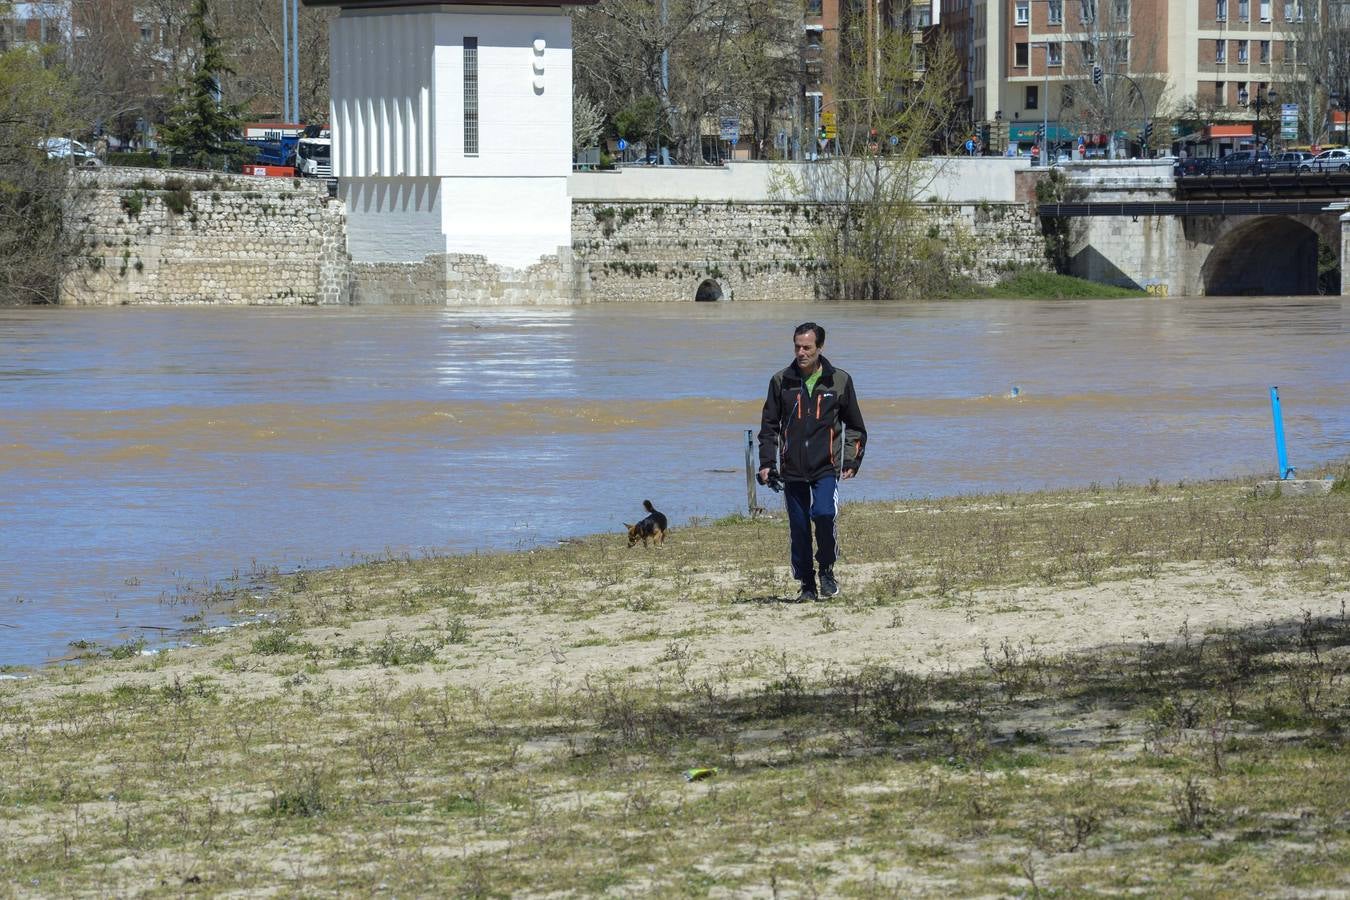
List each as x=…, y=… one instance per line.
x=200, y=127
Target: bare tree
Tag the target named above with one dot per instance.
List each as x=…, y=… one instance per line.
x=871, y=245
x=1107, y=97
x=253, y=30
x=700, y=60
x=36, y=103
x=1315, y=69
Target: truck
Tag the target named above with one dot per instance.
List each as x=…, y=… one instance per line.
x=289, y=150
x=314, y=153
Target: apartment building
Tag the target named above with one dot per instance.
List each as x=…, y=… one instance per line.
x=868, y=19
x=1027, y=63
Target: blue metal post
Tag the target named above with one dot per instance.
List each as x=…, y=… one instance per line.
x=286, y=60
x=1281, y=454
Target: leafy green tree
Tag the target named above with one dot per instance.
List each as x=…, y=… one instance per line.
x=201, y=127
x=37, y=103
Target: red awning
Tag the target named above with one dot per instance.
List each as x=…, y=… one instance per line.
x=1227, y=131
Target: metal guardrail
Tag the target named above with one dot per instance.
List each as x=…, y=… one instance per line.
x=1186, y=208
x=1264, y=184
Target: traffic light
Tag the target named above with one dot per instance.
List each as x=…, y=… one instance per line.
x=1148, y=132
x=824, y=136
x=1097, y=75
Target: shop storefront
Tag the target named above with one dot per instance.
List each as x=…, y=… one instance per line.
x=1214, y=141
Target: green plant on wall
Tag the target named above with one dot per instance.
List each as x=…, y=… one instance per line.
x=1057, y=230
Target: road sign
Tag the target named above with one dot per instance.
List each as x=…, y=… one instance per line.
x=730, y=128
x=1289, y=121
x=827, y=122
x=622, y=144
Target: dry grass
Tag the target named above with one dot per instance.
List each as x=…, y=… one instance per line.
x=1130, y=689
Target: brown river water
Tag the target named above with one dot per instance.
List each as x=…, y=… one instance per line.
x=147, y=452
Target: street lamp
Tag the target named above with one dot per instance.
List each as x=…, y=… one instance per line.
x=1045, y=107
x=1263, y=98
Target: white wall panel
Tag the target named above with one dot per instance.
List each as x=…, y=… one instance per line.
x=398, y=120
x=393, y=219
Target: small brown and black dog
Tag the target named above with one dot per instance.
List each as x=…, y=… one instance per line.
x=653, y=527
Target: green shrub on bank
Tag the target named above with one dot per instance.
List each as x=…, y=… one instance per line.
x=1028, y=284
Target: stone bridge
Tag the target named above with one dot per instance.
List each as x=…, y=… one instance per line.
x=1128, y=228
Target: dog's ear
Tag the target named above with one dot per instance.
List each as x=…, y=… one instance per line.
x=626, y=525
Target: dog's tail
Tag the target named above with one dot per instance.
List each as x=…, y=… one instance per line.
x=647, y=505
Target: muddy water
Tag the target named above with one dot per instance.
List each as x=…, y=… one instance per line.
x=143, y=451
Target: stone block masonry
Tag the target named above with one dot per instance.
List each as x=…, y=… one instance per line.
x=664, y=250
x=155, y=236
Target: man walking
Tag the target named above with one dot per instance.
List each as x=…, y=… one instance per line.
x=802, y=435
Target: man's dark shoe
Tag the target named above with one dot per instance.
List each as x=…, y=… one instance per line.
x=828, y=586
x=807, y=594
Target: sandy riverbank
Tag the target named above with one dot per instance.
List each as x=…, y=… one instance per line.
x=1129, y=688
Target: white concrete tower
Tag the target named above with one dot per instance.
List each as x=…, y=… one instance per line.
x=452, y=127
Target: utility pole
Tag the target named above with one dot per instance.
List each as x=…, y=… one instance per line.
x=295, y=56
x=286, y=60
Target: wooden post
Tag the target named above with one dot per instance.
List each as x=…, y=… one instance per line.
x=750, y=472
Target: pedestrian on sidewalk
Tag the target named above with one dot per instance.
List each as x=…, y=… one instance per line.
x=810, y=406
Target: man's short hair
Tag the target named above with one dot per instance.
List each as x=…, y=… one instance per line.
x=811, y=326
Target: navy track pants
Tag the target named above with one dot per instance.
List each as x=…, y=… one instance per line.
x=812, y=502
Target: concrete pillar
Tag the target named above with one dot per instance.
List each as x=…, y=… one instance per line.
x=1345, y=255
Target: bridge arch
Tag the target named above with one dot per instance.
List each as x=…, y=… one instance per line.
x=1266, y=255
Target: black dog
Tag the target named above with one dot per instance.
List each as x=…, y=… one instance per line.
x=653, y=526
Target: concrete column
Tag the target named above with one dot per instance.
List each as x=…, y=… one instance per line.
x=1345, y=255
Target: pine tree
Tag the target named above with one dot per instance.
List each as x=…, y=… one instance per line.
x=200, y=127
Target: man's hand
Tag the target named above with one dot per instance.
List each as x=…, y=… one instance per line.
x=764, y=475
x=847, y=474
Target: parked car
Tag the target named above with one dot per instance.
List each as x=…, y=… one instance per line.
x=1243, y=162
x=1288, y=161
x=65, y=148
x=1337, y=160
x=1193, y=165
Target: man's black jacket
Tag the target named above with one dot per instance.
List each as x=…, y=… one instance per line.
x=801, y=433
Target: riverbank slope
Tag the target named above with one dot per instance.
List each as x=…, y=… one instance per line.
x=1121, y=688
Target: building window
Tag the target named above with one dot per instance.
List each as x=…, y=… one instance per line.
x=1242, y=51
x=1033, y=96
x=813, y=7
x=1265, y=52
x=1022, y=12
x=1020, y=54
x=1244, y=10
x=1087, y=11
x=471, y=96
x=1221, y=11
x=1220, y=93
x=1055, y=12
x=1221, y=52
x=1054, y=54
x=923, y=16
x=1289, y=12
x=1066, y=97
x=1089, y=52
x=1242, y=93
x=1265, y=10
x=1122, y=11
x=1122, y=48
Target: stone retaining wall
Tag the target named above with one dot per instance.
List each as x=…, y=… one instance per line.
x=668, y=250
x=191, y=237
x=157, y=236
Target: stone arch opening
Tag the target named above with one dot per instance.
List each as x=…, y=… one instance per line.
x=1272, y=255
x=709, y=291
